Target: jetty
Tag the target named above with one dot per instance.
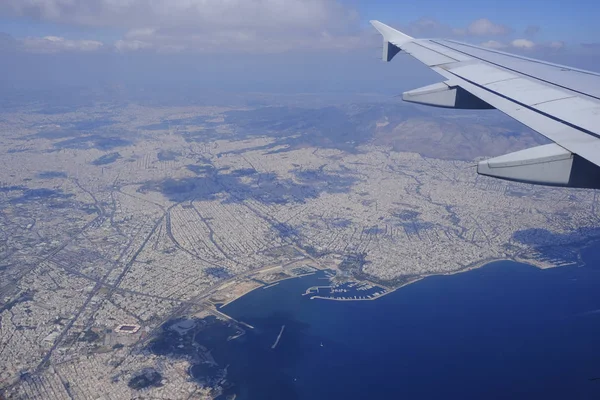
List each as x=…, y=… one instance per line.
x=278, y=337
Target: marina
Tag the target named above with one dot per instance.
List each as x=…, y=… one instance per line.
x=349, y=291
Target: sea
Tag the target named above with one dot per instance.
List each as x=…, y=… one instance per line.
x=503, y=331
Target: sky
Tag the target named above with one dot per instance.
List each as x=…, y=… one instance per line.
x=270, y=45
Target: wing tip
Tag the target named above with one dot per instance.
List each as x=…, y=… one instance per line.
x=390, y=34
x=393, y=40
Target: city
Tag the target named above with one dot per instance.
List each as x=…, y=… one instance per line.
x=118, y=219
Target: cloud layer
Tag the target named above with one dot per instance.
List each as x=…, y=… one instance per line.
x=429, y=27
x=55, y=44
x=206, y=25
x=524, y=45
x=485, y=27
x=233, y=26
x=203, y=14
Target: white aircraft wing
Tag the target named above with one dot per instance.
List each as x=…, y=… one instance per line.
x=561, y=103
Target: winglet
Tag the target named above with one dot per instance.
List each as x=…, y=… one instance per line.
x=392, y=40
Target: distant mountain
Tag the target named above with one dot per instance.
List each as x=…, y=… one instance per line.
x=431, y=132
x=456, y=138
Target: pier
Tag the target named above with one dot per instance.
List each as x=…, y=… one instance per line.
x=315, y=289
x=278, y=337
x=270, y=286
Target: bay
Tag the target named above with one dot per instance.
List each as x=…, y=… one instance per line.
x=506, y=330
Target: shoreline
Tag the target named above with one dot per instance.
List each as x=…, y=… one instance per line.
x=389, y=289
x=264, y=286
x=540, y=264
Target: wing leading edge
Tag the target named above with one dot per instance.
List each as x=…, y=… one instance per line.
x=559, y=102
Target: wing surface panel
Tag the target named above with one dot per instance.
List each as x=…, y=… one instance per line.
x=427, y=56
x=582, y=82
x=569, y=137
x=561, y=103
x=529, y=92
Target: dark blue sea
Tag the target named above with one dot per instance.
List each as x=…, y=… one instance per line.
x=504, y=331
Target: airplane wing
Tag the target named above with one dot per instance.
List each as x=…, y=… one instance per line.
x=561, y=103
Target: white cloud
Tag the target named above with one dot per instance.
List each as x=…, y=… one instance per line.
x=429, y=27
x=207, y=25
x=492, y=44
x=522, y=44
x=526, y=45
x=132, y=45
x=485, y=27
x=55, y=44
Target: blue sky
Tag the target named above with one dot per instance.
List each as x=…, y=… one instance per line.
x=286, y=45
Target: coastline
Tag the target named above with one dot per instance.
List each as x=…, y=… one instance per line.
x=428, y=317
x=389, y=289
x=263, y=286
x=540, y=264
x=581, y=246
